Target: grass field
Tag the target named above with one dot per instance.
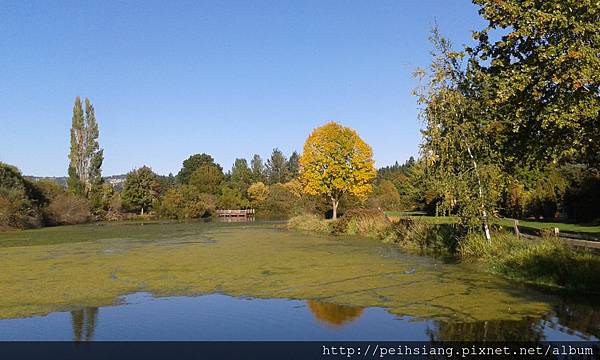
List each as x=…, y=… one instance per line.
x=564, y=227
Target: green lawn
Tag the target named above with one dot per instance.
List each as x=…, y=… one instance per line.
x=573, y=228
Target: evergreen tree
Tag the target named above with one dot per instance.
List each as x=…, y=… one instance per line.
x=167, y=182
x=277, y=171
x=293, y=165
x=207, y=179
x=192, y=164
x=241, y=175
x=85, y=156
x=258, y=168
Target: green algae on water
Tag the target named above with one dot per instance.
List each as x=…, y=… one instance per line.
x=93, y=266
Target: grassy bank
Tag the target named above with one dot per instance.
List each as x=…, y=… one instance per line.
x=546, y=262
x=531, y=224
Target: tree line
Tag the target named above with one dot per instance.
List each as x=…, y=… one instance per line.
x=335, y=171
x=510, y=128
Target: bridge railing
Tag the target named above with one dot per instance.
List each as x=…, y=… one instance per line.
x=235, y=213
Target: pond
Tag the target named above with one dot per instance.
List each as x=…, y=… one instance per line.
x=259, y=282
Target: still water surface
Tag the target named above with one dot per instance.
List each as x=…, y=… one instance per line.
x=221, y=317
x=260, y=282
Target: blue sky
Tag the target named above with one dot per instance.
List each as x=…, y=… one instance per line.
x=229, y=78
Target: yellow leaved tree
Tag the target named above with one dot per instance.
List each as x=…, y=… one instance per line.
x=336, y=161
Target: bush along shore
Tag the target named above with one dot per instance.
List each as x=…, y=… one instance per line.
x=546, y=262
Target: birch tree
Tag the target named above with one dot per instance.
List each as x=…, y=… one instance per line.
x=457, y=138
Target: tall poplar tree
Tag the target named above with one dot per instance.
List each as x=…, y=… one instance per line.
x=85, y=156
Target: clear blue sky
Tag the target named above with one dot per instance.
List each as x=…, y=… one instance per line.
x=230, y=78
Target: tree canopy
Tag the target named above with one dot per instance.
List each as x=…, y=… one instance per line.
x=540, y=81
x=194, y=162
x=141, y=189
x=207, y=179
x=335, y=162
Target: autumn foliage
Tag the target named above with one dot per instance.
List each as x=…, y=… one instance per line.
x=336, y=162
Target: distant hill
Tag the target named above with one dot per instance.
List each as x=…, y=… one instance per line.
x=61, y=180
x=115, y=180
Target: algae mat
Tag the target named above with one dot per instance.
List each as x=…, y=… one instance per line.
x=95, y=265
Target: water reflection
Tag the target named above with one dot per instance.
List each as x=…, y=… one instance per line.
x=221, y=317
x=235, y=219
x=572, y=316
x=569, y=317
x=84, y=323
x=518, y=330
x=334, y=314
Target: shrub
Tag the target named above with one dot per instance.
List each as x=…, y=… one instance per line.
x=416, y=235
x=116, y=204
x=66, y=209
x=19, y=200
x=49, y=189
x=311, y=204
x=386, y=196
x=365, y=222
x=100, y=199
x=258, y=193
x=17, y=211
x=186, y=202
x=308, y=222
x=552, y=262
x=279, y=202
x=231, y=199
x=476, y=246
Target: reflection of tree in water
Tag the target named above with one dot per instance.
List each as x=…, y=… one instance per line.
x=334, y=314
x=497, y=330
x=577, y=316
x=84, y=323
x=573, y=316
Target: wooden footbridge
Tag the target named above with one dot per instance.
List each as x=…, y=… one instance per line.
x=244, y=213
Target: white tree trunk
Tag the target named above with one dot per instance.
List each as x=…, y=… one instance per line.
x=486, y=228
